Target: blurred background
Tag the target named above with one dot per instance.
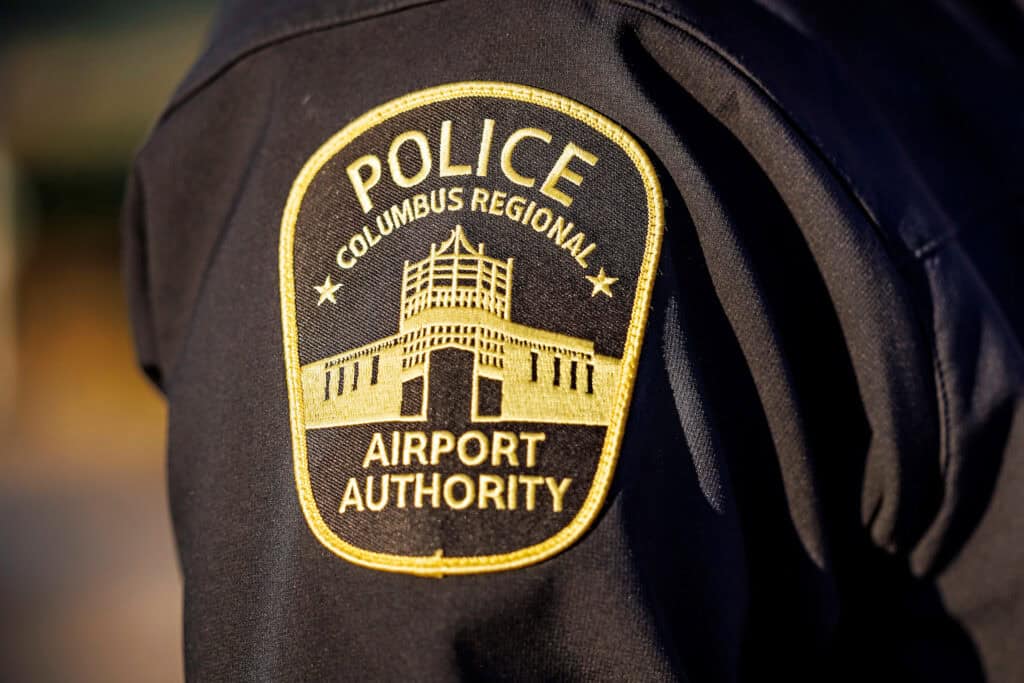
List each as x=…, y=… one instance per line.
x=89, y=583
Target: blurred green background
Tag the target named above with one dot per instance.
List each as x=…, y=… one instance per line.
x=89, y=584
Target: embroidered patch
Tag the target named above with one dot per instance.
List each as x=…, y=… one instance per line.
x=465, y=276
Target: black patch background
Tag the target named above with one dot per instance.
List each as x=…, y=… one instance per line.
x=549, y=291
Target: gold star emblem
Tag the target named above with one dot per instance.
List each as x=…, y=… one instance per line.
x=327, y=290
x=602, y=283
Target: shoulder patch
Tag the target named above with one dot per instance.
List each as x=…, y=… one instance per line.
x=465, y=278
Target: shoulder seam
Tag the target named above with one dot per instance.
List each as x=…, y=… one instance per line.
x=190, y=90
x=897, y=247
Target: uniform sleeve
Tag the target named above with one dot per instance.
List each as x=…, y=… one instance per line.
x=569, y=341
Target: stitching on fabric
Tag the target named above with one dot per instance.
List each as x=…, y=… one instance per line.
x=436, y=565
x=681, y=23
x=292, y=32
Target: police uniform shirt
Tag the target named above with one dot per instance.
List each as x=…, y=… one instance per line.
x=592, y=340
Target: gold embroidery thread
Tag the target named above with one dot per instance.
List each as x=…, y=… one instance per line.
x=472, y=313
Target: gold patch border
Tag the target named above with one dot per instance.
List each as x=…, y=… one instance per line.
x=438, y=565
